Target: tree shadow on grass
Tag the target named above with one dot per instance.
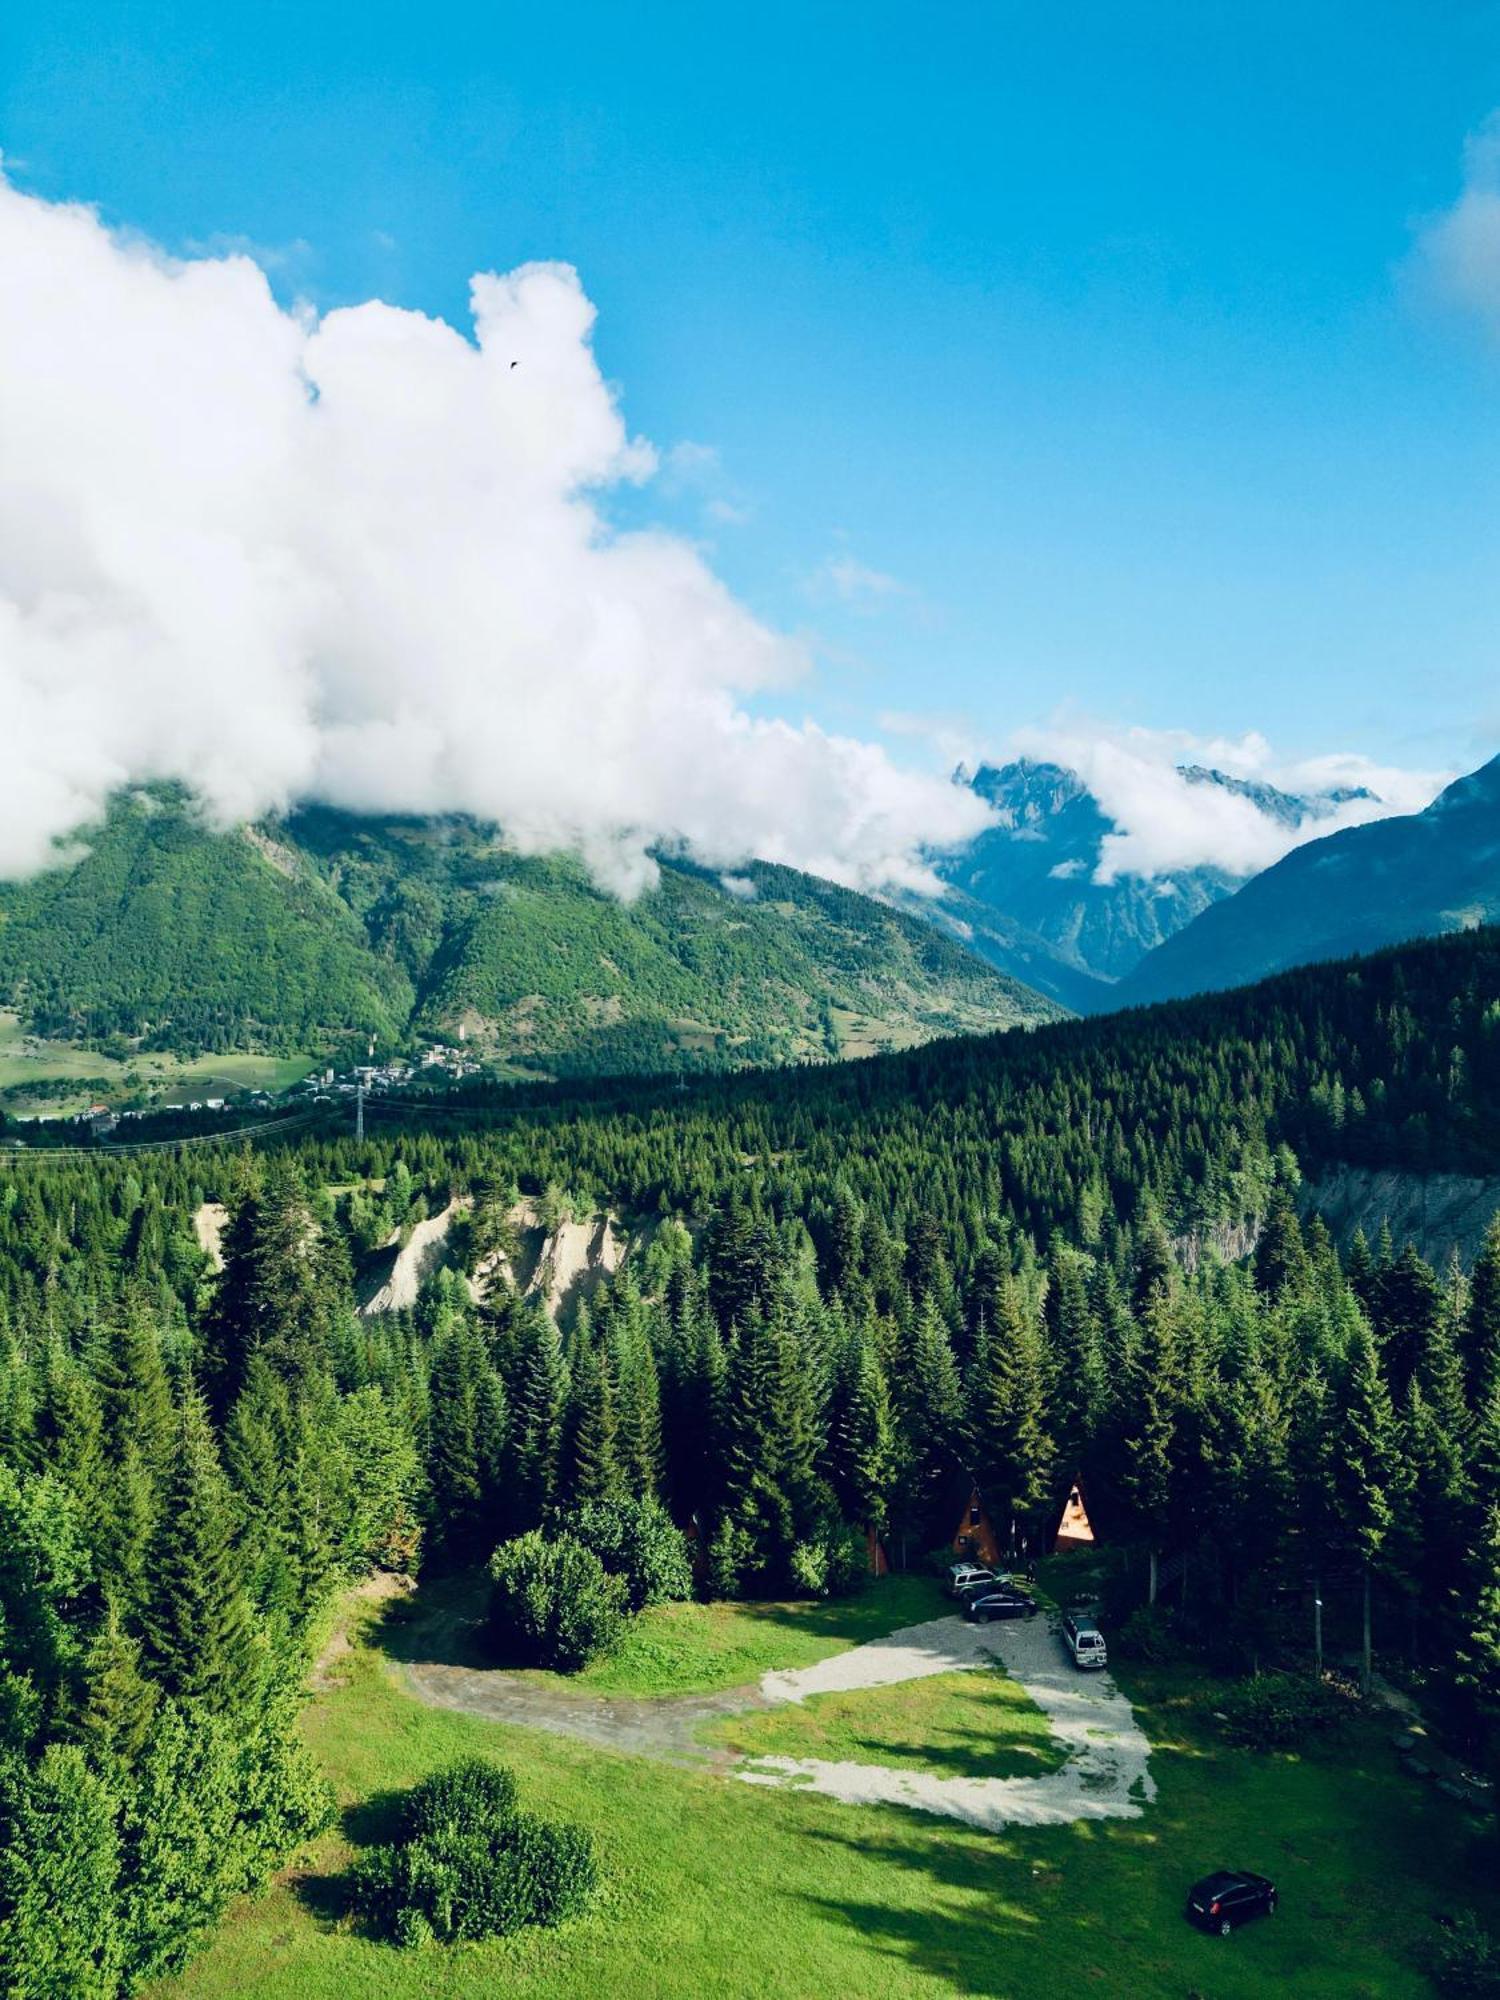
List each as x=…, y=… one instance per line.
x=966, y=1753
x=970, y=1940
x=880, y=1607
x=367, y=1823
x=442, y=1621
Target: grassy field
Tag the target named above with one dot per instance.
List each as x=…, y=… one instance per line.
x=675, y=1648
x=61, y=1077
x=719, y=1889
x=969, y=1725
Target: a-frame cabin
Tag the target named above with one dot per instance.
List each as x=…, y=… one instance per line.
x=1074, y=1528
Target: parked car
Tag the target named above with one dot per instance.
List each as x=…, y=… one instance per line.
x=999, y=1579
x=963, y=1575
x=1232, y=1896
x=986, y=1605
x=1085, y=1643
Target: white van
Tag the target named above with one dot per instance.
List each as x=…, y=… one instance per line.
x=1085, y=1642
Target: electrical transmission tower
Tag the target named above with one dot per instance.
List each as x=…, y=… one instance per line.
x=359, y=1113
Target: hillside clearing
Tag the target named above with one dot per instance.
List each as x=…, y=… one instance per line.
x=715, y=1888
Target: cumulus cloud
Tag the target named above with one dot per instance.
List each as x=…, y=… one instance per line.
x=362, y=558
x=1165, y=822
x=1459, y=248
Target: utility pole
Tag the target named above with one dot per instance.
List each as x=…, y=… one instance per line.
x=359, y=1113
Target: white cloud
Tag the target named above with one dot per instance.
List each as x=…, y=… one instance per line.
x=1165, y=823
x=361, y=558
x=1459, y=248
x=843, y=577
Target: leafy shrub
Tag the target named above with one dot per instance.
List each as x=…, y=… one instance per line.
x=833, y=1563
x=637, y=1541
x=731, y=1558
x=1148, y=1634
x=1279, y=1711
x=470, y=1865
x=1468, y=1962
x=552, y=1604
x=466, y=1796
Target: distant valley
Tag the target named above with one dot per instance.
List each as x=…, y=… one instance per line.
x=169, y=941
x=1359, y=890
x=1024, y=894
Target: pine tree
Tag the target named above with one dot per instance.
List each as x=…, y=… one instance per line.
x=538, y=1399
x=197, y=1622
x=930, y=1421
x=1366, y=1465
x=1080, y=1386
x=1015, y=1452
x=862, y=1445
x=454, y=1473
x=1149, y=1415
x=116, y=1704
x=137, y=1396
x=1280, y=1255
x=638, y=1397
x=591, y=1467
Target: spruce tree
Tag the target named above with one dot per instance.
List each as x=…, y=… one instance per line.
x=538, y=1399
x=1366, y=1466
x=862, y=1436
x=1482, y=1328
x=591, y=1467
x=197, y=1622
x=116, y=1704
x=59, y=1879
x=1015, y=1450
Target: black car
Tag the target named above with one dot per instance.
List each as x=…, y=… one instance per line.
x=1231, y=1897
x=991, y=1604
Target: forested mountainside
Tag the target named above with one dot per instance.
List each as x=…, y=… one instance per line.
x=854, y=1291
x=327, y=927
x=1024, y=894
x=1354, y=891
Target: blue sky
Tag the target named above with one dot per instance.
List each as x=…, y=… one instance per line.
x=1044, y=355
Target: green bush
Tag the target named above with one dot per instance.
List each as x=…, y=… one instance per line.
x=1148, y=1634
x=552, y=1604
x=470, y=1865
x=466, y=1797
x=731, y=1558
x=833, y=1563
x=1279, y=1711
x=637, y=1541
x=1468, y=1962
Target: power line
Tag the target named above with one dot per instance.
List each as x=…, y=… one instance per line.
x=21, y=1151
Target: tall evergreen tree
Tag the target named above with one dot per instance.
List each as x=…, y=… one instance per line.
x=197, y=1622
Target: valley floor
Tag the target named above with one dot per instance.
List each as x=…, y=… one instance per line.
x=716, y=1888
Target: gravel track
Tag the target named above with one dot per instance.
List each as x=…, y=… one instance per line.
x=1106, y=1774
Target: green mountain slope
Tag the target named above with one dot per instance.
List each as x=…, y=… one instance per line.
x=190, y=939
x=326, y=926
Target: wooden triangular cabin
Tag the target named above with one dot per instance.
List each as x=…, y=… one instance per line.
x=974, y=1539
x=1074, y=1528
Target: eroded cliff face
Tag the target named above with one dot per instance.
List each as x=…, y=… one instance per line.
x=1440, y=1213
x=558, y=1266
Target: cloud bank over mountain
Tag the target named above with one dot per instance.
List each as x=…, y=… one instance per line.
x=364, y=558
x=1165, y=823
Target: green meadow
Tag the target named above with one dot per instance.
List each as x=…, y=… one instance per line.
x=715, y=1888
